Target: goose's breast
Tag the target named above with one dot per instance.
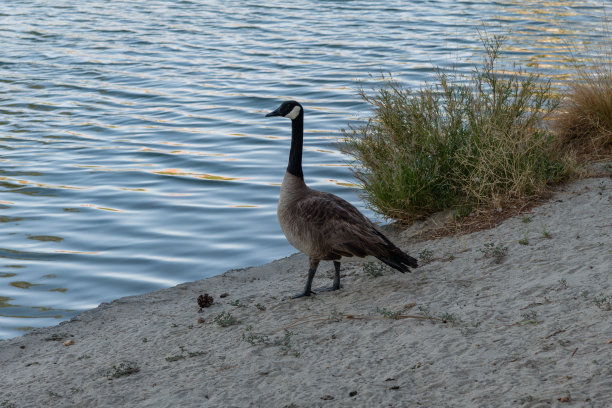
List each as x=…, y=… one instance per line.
x=293, y=228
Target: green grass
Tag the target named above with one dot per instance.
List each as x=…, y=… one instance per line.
x=529, y=318
x=183, y=356
x=374, y=269
x=460, y=143
x=388, y=313
x=603, y=302
x=237, y=303
x=255, y=339
x=496, y=251
x=123, y=369
x=545, y=232
x=426, y=256
x=225, y=319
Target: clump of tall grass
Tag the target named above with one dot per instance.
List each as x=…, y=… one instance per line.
x=584, y=122
x=461, y=142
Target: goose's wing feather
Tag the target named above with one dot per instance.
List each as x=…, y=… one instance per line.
x=339, y=226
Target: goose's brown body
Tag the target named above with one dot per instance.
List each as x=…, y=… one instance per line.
x=322, y=225
x=325, y=226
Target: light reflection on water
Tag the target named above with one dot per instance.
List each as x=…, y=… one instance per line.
x=135, y=152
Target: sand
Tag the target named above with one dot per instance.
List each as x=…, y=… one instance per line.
x=532, y=329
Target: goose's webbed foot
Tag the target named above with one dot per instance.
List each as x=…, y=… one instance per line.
x=314, y=263
x=303, y=294
x=328, y=289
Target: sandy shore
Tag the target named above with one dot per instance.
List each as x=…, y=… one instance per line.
x=532, y=328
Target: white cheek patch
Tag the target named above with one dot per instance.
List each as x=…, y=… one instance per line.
x=294, y=113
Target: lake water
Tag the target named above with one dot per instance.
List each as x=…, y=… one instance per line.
x=134, y=150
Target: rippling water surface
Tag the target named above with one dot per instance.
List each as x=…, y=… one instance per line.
x=134, y=150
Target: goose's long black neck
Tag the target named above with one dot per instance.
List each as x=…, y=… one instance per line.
x=297, y=141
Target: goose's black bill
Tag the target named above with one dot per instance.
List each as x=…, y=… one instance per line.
x=275, y=112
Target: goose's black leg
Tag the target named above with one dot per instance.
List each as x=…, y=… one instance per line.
x=336, y=285
x=314, y=263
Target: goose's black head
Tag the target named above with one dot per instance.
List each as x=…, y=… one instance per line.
x=288, y=109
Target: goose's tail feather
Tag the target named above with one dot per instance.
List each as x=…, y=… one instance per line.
x=399, y=260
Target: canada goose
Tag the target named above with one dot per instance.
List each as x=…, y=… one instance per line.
x=322, y=225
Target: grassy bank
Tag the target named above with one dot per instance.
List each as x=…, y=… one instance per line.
x=584, y=120
x=459, y=143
